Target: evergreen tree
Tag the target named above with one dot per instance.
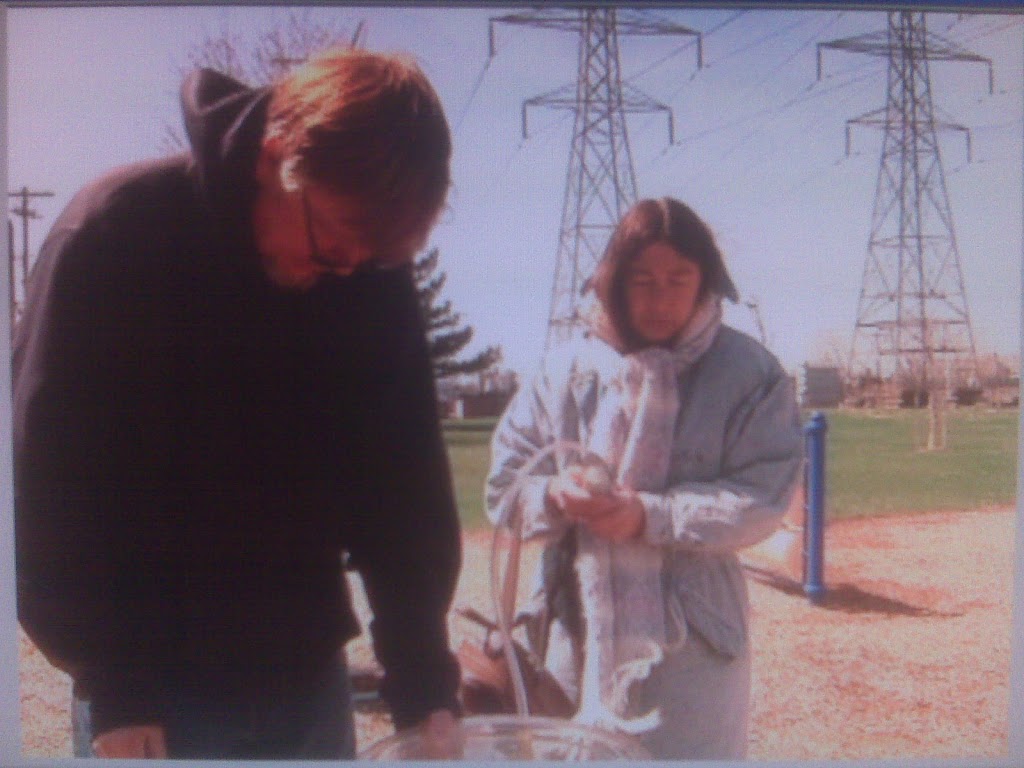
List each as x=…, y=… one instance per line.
x=446, y=335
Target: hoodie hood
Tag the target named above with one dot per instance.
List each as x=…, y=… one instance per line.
x=224, y=120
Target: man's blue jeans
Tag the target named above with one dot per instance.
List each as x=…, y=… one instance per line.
x=316, y=724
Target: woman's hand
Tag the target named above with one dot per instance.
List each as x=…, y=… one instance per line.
x=574, y=494
x=612, y=514
x=622, y=521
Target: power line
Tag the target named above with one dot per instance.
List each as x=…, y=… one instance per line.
x=765, y=38
x=472, y=95
x=797, y=51
x=679, y=49
x=807, y=94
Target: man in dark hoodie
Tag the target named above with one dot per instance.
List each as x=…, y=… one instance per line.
x=221, y=386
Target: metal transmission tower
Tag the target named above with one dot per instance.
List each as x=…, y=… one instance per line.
x=912, y=307
x=600, y=184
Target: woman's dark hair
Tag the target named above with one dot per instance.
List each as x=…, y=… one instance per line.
x=665, y=220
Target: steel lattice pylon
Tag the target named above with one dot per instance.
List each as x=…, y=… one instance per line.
x=600, y=183
x=912, y=311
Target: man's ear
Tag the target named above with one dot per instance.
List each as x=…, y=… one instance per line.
x=268, y=163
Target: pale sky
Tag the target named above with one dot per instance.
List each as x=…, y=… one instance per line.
x=759, y=153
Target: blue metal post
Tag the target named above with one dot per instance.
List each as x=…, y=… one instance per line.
x=814, y=519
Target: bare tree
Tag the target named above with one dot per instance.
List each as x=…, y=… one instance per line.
x=828, y=349
x=264, y=60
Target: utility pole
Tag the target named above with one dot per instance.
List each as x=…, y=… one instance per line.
x=13, y=306
x=26, y=213
x=755, y=309
x=600, y=183
x=912, y=306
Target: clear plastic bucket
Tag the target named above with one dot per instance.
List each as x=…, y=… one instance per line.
x=512, y=737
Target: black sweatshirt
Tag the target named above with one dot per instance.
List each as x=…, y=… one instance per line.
x=195, y=448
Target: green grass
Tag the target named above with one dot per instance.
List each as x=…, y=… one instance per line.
x=874, y=462
x=469, y=451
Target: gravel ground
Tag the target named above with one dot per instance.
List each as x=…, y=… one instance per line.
x=908, y=655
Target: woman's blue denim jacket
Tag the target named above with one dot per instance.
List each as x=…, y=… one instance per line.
x=737, y=460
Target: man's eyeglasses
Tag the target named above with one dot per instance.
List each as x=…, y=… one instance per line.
x=317, y=256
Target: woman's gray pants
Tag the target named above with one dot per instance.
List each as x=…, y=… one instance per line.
x=705, y=704
x=704, y=698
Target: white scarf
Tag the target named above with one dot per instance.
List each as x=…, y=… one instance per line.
x=621, y=584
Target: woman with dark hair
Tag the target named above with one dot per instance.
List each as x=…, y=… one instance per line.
x=673, y=441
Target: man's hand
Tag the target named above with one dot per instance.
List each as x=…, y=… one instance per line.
x=132, y=741
x=441, y=736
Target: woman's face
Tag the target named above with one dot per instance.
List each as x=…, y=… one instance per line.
x=662, y=287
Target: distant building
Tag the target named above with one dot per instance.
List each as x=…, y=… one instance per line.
x=992, y=380
x=475, y=396
x=822, y=387
x=479, y=405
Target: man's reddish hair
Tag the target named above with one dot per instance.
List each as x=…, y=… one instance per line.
x=371, y=127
